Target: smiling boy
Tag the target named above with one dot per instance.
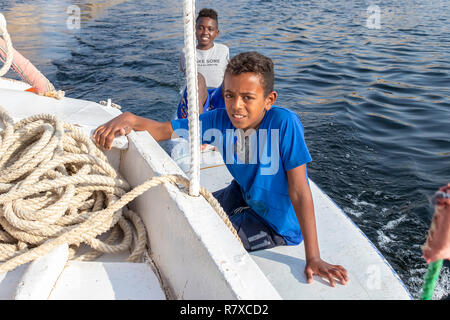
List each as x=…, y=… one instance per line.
x=269, y=201
x=212, y=58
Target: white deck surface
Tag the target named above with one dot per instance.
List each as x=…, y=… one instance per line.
x=93, y=281
x=82, y=280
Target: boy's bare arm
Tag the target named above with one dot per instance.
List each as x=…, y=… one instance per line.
x=301, y=199
x=124, y=123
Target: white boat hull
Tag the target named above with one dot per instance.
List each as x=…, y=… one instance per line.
x=193, y=254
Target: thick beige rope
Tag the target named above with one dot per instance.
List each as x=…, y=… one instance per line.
x=57, y=187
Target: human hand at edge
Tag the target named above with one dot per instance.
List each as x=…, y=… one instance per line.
x=325, y=270
x=437, y=245
x=121, y=125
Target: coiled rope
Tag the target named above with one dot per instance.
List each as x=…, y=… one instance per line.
x=57, y=187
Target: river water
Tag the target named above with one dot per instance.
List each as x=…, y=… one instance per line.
x=370, y=81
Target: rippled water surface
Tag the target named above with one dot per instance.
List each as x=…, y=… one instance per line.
x=374, y=99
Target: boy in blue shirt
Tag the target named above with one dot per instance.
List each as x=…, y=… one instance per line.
x=269, y=202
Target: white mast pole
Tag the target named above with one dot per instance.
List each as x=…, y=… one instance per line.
x=192, y=95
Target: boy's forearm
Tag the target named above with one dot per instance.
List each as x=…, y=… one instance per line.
x=159, y=130
x=302, y=201
x=304, y=210
x=104, y=135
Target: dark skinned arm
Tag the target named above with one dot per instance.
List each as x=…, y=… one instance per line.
x=121, y=125
x=301, y=199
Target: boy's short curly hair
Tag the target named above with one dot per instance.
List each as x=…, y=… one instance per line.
x=256, y=63
x=208, y=13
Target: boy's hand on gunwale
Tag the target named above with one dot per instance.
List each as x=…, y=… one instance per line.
x=325, y=270
x=104, y=135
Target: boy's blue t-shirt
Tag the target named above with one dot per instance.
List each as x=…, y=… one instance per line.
x=276, y=147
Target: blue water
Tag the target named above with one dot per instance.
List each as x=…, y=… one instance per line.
x=375, y=102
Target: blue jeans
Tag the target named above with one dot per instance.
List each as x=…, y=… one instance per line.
x=254, y=232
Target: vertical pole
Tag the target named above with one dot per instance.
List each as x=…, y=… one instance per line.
x=192, y=95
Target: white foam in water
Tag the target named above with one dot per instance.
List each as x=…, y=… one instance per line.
x=356, y=202
x=355, y=213
x=383, y=239
x=442, y=288
x=392, y=224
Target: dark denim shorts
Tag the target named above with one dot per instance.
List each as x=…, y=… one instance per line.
x=254, y=232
